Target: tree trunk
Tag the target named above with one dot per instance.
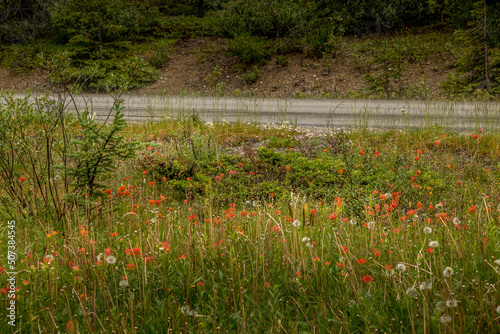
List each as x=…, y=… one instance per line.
x=486, y=65
x=100, y=25
x=201, y=8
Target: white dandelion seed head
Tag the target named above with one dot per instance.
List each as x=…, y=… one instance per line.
x=99, y=257
x=401, y=267
x=412, y=292
x=185, y=310
x=498, y=309
x=445, y=318
x=49, y=257
x=353, y=221
x=497, y=262
x=123, y=283
x=370, y=225
x=439, y=206
x=440, y=306
x=427, y=230
x=425, y=286
x=451, y=303
x=111, y=259
x=305, y=239
x=152, y=220
x=388, y=195
x=456, y=221
x=309, y=245
x=448, y=271
x=433, y=244
x=296, y=223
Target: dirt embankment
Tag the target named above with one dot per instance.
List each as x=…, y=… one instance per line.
x=191, y=62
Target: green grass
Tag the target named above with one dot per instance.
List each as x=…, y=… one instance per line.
x=335, y=240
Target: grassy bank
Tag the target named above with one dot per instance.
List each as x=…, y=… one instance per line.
x=234, y=228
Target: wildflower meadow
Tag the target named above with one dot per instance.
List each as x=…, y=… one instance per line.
x=184, y=227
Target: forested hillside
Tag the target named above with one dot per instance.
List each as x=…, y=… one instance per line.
x=133, y=39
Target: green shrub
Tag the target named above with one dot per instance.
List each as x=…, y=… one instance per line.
x=250, y=49
x=283, y=60
x=159, y=58
x=105, y=74
x=251, y=76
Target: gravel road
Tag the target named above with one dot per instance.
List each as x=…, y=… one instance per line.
x=305, y=113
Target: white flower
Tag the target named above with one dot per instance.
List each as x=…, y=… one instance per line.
x=401, y=267
x=427, y=230
x=433, y=244
x=305, y=239
x=353, y=221
x=439, y=206
x=456, y=221
x=425, y=286
x=412, y=292
x=448, y=271
x=123, y=282
x=498, y=309
x=111, y=259
x=497, y=261
x=451, y=303
x=99, y=257
x=296, y=223
x=445, y=318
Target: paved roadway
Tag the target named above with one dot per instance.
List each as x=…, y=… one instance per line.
x=458, y=116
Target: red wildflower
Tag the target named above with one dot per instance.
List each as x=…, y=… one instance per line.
x=367, y=279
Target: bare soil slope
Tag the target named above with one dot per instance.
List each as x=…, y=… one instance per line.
x=192, y=61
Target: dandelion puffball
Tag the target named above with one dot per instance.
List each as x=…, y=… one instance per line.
x=433, y=244
x=296, y=223
x=425, y=286
x=401, y=267
x=445, y=318
x=111, y=259
x=448, y=271
x=451, y=303
x=427, y=230
x=412, y=292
